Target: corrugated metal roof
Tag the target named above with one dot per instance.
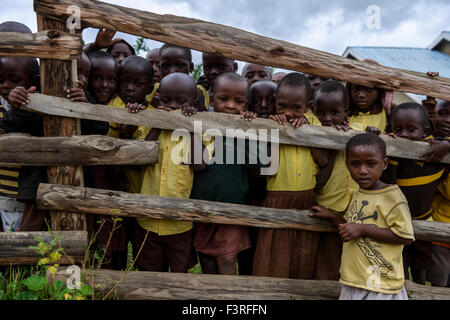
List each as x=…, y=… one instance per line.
x=414, y=59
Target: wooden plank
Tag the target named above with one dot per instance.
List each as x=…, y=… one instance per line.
x=56, y=79
x=14, y=246
x=245, y=46
x=144, y=285
x=116, y=203
x=49, y=44
x=26, y=150
x=306, y=135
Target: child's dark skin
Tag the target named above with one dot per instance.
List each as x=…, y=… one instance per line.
x=153, y=58
x=120, y=51
x=315, y=82
x=277, y=76
x=263, y=98
x=366, y=165
x=364, y=99
x=103, y=80
x=172, y=60
x=255, y=72
x=291, y=104
x=213, y=66
x=83, y=68
x=16, y=81
x=230, y=96
x=442, y=121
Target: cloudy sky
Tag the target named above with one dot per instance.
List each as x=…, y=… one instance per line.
x=327, y=25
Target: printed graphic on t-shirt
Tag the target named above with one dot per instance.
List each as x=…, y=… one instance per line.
x=368, y=246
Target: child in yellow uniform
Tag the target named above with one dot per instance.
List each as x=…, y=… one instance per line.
x=169, y=242
x=330, y=104
x=290, y=253
x=375, y=227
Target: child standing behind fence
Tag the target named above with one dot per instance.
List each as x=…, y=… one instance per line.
x=290, y=253
x=374, y=228
x=168, y=243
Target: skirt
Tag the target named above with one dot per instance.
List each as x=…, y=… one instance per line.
x=287, y=253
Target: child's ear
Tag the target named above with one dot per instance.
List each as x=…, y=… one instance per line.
x=385, y=164
x=235, y=67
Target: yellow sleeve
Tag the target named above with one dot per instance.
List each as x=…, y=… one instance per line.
x=399, y=220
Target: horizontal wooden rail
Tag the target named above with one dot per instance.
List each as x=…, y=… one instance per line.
x=307, y=135
x=49, y=44
x=116, y=203
x=26, y=150
x=242, y=45
x=14, y=246
x=144, y=285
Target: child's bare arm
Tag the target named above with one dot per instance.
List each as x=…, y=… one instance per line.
x=438, y=150
x=321, y=156
x=323, y=213
x=324, y=173
x=350, y=231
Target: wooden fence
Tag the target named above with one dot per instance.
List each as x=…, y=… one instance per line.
x=64, y=151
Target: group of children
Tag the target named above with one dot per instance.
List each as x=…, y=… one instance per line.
x=370, y=198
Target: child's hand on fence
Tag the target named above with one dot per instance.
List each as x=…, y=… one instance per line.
x=298, y=122
x=189, y=111
x=438, y=150
x=165, y=108
x=320, y=212
x=350, y=231
x=343, y=127
x=280, y=118
x=19, y=96
x=373, y=130
x=104, y=38
x=135, y=107
x=248, y=115
x=77, y=94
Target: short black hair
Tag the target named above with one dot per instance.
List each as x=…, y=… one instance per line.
x=366, y=139
x=14, y=26
x=333, y=86
x=187, y=51
x=233, y=76
x=425, y=120
x=138, y=61
x=133, y=52
x=100, y=54
x=296, y=79
x=250, y=89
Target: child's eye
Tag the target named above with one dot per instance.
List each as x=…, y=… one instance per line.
x=297, y=107
x=354, y=164
x=249, y=75
x=411, y=129
x=263, y=74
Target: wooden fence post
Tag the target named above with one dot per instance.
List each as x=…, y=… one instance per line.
x=56, y=79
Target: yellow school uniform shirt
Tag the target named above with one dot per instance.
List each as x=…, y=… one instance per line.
x=296, y=171
x=369, y=264
x=441, y=202
x=312, y=119
x=202, y=89
x=168, y=178
x=337, y=192
x=363, y=120
x=133, y=174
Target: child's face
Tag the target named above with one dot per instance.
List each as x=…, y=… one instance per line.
x=329, y=108
x=291, y=101
x=174, y=60
x=408, y=124
x=443, y=119
x=214, y=65
x=176, y=96
x=133, y=84
x=153, y=58
x=83, y=69
x=230, y=96
x=103, y=79
x=120, y=51
x=13, y=73
x=263, y=99
x=363, y=97
x=315, y=81
x=276, y=77
x=255, y=72
x=366, y=165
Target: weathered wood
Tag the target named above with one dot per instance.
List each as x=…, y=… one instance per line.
x=245, y=46
x=14, y=246
x=56, y=79
x=49, y=44
x=306, y=135
x=116, y=203
x=23, y=149
x=144, y=285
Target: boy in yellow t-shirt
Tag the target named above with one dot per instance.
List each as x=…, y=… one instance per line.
x=374, y=229
x=168, y=243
